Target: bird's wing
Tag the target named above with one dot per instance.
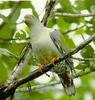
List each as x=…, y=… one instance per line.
x=61, y=45
x=66, y=76
x=59, y=41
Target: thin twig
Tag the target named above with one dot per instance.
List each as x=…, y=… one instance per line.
x=34, y=88
x=25, y=55
x=84, y=73
x=49, y=6
x=10, y=40
x=73, y=30
x=83, y=59
x=73, y=15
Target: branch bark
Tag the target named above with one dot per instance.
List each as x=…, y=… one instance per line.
x=49, y=6
x=73, y=15
x=83, y=59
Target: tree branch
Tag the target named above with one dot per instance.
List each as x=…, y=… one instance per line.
x=73, y=30
x=73, y=15
x=49, y=6
x=84, y=73
x=38, y=87
x=10, y=40
x=83, y=59
x=25, y=55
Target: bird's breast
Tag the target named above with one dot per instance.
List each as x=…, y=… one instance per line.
x=44, y=50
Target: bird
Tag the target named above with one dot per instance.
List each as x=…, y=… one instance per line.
x=47, y=45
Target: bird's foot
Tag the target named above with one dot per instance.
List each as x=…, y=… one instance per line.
x=53, y=60
x=41, y=66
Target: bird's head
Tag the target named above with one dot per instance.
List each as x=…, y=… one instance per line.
x=30, y=20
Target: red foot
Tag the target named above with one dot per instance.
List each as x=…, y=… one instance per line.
x=53, y=60
x=41, y=66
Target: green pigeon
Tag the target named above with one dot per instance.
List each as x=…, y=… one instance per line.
x=48, y=44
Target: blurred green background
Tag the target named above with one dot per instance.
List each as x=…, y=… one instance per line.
x=14, y=36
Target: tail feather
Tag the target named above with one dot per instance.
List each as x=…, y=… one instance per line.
x=64, y=71
x=70, y=90
x=67, y=82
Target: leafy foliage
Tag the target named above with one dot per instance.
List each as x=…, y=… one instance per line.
x=13, y=40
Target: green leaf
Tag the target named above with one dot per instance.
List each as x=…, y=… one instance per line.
x=87, y=52
x=15, y=49
x=6, y=32
x=3, y=70
x=81, y=66
x=80, y=31
x=89, y=3
x=6, y=4
x=5, y=52
x=15, y=16
x=51, y=22
x=69, y=42
x=63, y=25
x=28, y=4
x=91, y=29
x=66, y=5
x=92, y=8
x=20, y=35
x=68, y=8
x=79, y=5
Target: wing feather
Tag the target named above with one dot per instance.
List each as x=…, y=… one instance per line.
x=60, y=44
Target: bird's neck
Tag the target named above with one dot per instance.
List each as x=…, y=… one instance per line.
x=36, y=27
x=36, y=31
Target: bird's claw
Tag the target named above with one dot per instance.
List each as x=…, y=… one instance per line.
x=41, y=66
x=53, y=60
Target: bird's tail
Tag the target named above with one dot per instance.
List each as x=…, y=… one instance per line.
x=67, y=82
